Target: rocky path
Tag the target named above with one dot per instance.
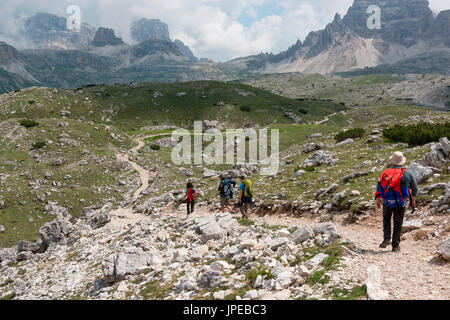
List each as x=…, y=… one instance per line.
x=125, y=215
x=143, y=173
x=328, y=117
x=412, y=274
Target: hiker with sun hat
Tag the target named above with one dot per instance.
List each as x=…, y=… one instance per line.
x=395, y=186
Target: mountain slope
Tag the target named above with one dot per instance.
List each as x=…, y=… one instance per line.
x=408, y=29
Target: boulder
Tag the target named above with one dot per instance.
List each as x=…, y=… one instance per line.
x=242, y=169
x=431, y=188
x=354, y=175
x=199, y=252
x=129, y=262
x=59, y=231
x=345, y=142
x=302, y=235
x=208, y=174
x=24, y=256
x=277, y=243
x=412, y=225
x=443, y=203
x=299, y=173
x=210, y=279
x=326, y=191
x=8, y=254
x=420, y=173
x=54, y=209
x=97, y=218
x=444, y=249
x=284, y=280
x=220, y=266
x=439, y=155
x=292, y=116
x=248, y=243
x=2, y=228
x=57, y=163
x=210, y=126
x=215, y=227
x=310, y=147
x=318, y=158
x=37, y=247
x=327, y=228
x=213, y=231
x=373, y=139
x=315, y=136
x=316, y=261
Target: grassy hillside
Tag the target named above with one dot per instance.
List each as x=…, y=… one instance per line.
x=136, y=106
x=10, y=82
x=85, y=128
x=275, y=190
x=69, y=157
x=360, y=90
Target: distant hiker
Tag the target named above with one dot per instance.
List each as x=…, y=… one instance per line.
x=226, y=190
x=245, y=196
x=190, y=197
x=395, y=186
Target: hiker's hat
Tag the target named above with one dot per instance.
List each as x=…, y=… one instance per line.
x=398, y=159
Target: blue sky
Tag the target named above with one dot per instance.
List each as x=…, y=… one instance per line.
x=247, y=18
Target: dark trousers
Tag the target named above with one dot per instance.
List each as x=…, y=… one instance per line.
x=190, y=207
x=399, y=214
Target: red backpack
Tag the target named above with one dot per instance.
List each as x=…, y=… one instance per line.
x=191, y=195
x=390, y=188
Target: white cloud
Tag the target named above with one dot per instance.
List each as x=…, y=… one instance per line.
x=210, y=27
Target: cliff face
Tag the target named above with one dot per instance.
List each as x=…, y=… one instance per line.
x=402, y=21
x=185, y=50
x=49, y=31
x=154, y=29
x=106, y=37
x=146, y=29
x=440, y=29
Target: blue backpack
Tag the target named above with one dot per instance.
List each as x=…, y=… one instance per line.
x=228, y=189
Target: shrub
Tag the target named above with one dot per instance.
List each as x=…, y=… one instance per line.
x=38, y=145
x=245, y=108
x=29, y=123
x=155, y=147
x=303, y=111
x=310, y=169
x=350, y=134
x=31, y=102
x=418, y=134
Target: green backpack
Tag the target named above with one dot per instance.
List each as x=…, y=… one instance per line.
x=248, y=191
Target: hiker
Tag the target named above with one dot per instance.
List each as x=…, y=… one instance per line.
x=226, y=193
x=245, y=196
x=190, y=197
x=395, y=186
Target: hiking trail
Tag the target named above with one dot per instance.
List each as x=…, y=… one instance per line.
x=126, y=213
x=328, y=117
x=412, y=274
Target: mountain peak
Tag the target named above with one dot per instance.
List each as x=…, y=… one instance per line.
x=106, y=37
x=49, y=31
x=146, y=29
